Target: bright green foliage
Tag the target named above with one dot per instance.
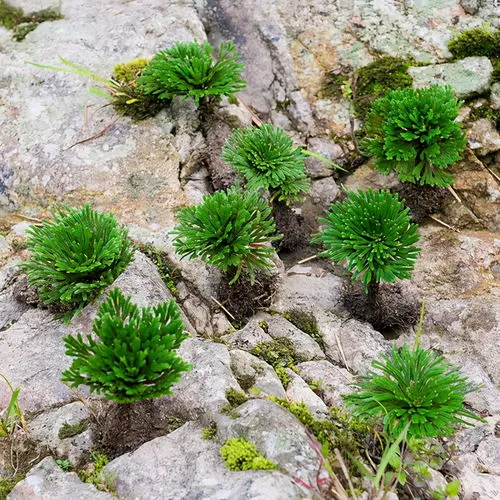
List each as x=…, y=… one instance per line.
x=372, y=231
x=229, y=230
x=482, y=41
x=135, y=355
x=76, y=255
x=209, y=432
x=188, y=69
x=416, y=386
x=414, y=132
x=129, y=72
x=268, y=160
x=239, y=454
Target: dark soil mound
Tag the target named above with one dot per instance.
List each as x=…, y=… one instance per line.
x=244, y=298
x=388, y=307
x=291, y=226
x=422, y=200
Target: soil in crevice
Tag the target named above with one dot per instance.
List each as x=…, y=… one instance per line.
x=291, y=226
x=244, y=298
x=422, y=200
x=388, y=307
x=123, y=427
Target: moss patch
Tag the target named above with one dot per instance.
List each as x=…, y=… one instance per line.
x=239, y=455
x=94, y=473
x=305, y=322
x=67, y=430
x=334, y=85
x=482, y=41
x=337, y=430
x=485, y=111
x=375, y=79
x=209, y=432
x=7, y=485
x=21, y=24
x=235, y=398
x=173, y=423
x=280, y=354
x=168, y=272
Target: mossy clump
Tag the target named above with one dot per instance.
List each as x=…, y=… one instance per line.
x=305, y=322
x=481, y=41
x=67, y=430
x=375, y=79
x=334, y=85
x=129, y=72
x=128, y=98
x=234, y=398
x=173, y=423
x=485, y=111
x=209, y=432
x=337, y=430
x=21, y=24
x=94, y=473
x=168, y=272
x=7, y=484
x=279, y=352
x=239, y=455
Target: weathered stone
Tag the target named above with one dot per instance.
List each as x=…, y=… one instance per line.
x=303, y=343
x=253, y=373
x=32, y=358
x=333, y=381
x=327, y=148
x=300, y=392
x=365, y=177
x=495, y=96
x=308, y=287
x=159, y=470
x=129, y=168
x=199, y=315
x=47, y=480
x=467, y=77
x=202, y=391
x=323, y=191
x=360, y=343
x=45, y=429
x=279, y=436
x=249, y=336
x=483, y=137
x=236, y=115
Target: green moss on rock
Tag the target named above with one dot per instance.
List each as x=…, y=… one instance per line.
x=240, y=455
x=305, y=322
x=482, y=41
x=377, y=78
x=67, y=430
x=7, y=485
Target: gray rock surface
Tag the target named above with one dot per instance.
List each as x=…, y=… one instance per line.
x=285, y=441
x=47, y=481
x=254, y=374
x=467, y=77
x=483, y=137
x=299, y=391
x=249, y=336
x=333, y=381
x=45, y=429
x=327, y=148
x=495, y=96
x=303, y=343
x=202, y=391
x=183, y=465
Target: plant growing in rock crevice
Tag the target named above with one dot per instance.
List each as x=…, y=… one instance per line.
x=268, y=160
x=76, y=255
x=189, y=70
x=135, y=355
x=413, y=388
x=414, y=132
x=373, y=232
x=229, y=230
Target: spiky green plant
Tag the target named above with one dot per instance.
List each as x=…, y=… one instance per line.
x=268, y=160
x=76, y=255
x=372, y=232
x=135, y=355
x=189, y=70
x=414, y=132
x=229, y=230
x=413, y=386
